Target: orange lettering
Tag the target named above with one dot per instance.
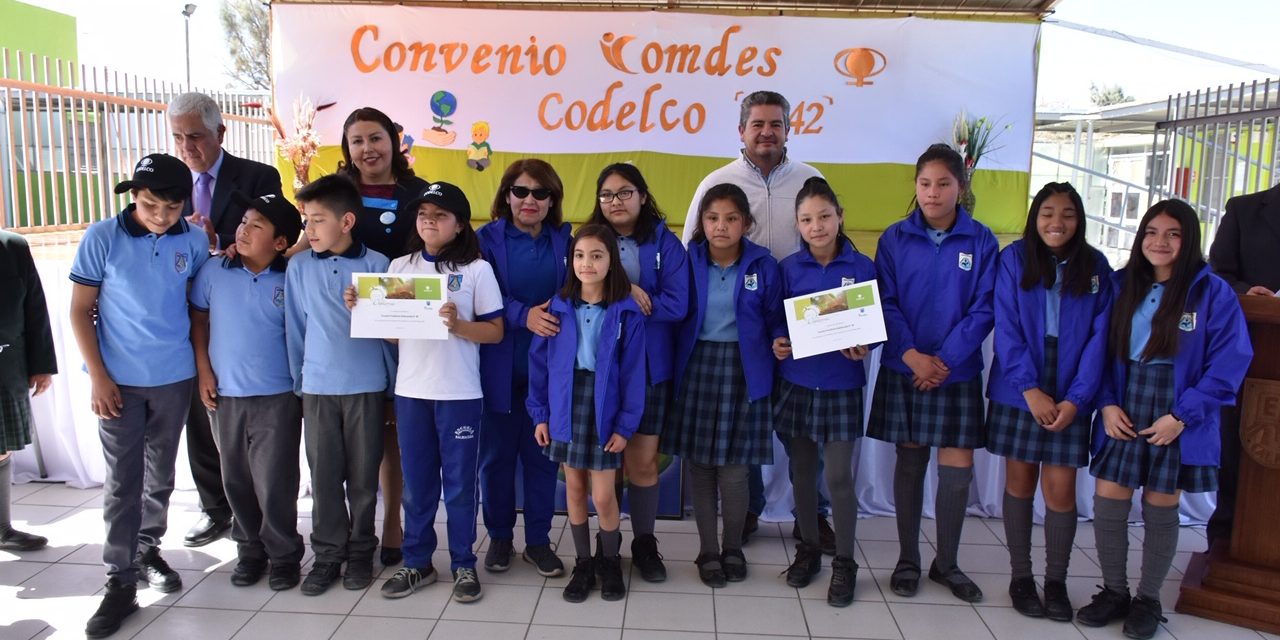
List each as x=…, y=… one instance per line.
x=581, y=108
x=452, y=61
x=479, y=62
x=625, y=112
x=716, y=59
x=554, y=68
x=645, y=125
x=682, y=58
x=747, y=55
x=770, y=62
x=509, y=59
x=702, y=117
x=651, y=58
x=667, y=125
x=542, y=111
x=356, y=37
x=417, y=62
x=393, y=56
x=598, y=119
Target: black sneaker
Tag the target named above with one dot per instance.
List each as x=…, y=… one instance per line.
x=543, y=558
x=466, y=585
x=284, y=576
x=406, y=580
x=1025, y=599
x=1144, y=618
x=734, y=564
x=1107, y=606
x=321, y=577
x=844, y=575
x=248, y=572
x=645, y=557
x=1057, y=606
x=959, y=584
x=710, y=570
x=13, y=540
x=118, y=603
x=498, y=558
x=806, y=565
x=581, y=581
x=609, y=572
x=359, y=575
x=156, y=572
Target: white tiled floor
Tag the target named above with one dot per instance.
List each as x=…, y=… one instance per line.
x=52, y=592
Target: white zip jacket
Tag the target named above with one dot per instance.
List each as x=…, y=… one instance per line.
x=772, y=200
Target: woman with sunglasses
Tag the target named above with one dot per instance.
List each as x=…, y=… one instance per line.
x=526, y=243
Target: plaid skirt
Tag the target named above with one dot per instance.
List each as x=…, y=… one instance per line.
x=657, y=399
x=713, y=422
x=584, y=450
x=1138, y=463
x=949, y=416
x=1014, y=433
x=821, y=416
x=15, y=420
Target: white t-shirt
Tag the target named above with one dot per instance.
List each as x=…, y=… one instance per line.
x=448, y=369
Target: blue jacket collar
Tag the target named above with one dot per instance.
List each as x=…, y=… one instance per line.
x=846, y=252
x=963, y=226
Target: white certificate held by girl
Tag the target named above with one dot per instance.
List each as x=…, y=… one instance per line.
x=835, y=319
x=399, y=306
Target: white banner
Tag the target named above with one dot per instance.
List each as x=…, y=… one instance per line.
x=861, y=90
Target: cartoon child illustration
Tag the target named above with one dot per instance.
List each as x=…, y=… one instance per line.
x=479, y=151
x=406, y=143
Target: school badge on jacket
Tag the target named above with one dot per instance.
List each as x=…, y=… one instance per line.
x=847, y=282
x=455, y=282
x=277, y=297
x=1188, y=321
x=751, y=282
x=1094, y=285
x=180, y=262
x=966, y=262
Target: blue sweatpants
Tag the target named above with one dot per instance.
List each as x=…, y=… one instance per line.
x=504, y=439
x=438, y=440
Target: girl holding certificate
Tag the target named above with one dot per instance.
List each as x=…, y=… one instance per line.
x=586, y=395
x=937, y=270
x=438, y=394
x=722, y=420
x=657, y=267
x=1178, y=350
x=1053, y=294
x=819, y=405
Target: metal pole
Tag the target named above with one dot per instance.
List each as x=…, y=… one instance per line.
x=187, y=32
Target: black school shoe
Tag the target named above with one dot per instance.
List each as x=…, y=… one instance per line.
x=321, y=577
x=1025, y=599
x=248, y=572
x=1057, y=606
x=581, y=581
x=645, y=557
x=905, y=579
x=959, y=584
x=844, y=575
x=1144, y=618
x=118, y=603
x=826, y=535
x=1107, y=606
x=284, y=576
x=609, y=572
x=806, y=565
x=156, y=572
x=710, y=570
x=734, y=564
x=359, y=575
x=498, y=558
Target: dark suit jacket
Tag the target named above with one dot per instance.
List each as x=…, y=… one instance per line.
x=24, y=319
x=251, y=178
x=1246, y=250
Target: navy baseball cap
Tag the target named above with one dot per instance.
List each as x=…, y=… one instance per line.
x=446, y=196
x=276, y=208
x=159, y=171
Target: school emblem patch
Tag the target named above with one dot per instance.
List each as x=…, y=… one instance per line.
x=1188, y=321
x=1258, y=437
x=465, y=432
x=751, y=282
x=180, y=262
x=455, y=282
x=966, y=262
x=1094, y=285
x=845, y=282
x=277, y=297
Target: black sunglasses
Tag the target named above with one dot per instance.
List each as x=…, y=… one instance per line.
x=523, y=192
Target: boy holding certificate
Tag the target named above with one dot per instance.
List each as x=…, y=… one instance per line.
x=243, y=366
x=343, y=382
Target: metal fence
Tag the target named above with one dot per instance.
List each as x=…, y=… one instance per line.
x=1215, y=144
x=71, y=132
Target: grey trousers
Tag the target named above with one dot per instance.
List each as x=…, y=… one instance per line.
x=343, y=435
x=140, y=447
x=257, y=440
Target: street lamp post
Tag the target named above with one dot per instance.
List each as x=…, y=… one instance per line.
x=186, y=13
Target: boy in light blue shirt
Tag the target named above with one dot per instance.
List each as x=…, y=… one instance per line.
x=343, y=382
x=131, y=274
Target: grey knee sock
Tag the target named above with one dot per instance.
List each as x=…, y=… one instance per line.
x=702, y=489
x=610, y=543
x=1059, y=535
x=1159, y=543
x=1111, y=536
x=949, y=506
x=733, y=503
x=1017, y=533
x=837, y=460
x=644, y=508
x=804, y=487
x=6, y=480
x=908, y=499
x=581, y=540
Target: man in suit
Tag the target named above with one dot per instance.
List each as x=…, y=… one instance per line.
x=1244, y=254
x=196, y=123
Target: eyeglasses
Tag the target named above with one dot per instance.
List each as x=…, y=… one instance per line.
x=605, y=197
x=523, y=192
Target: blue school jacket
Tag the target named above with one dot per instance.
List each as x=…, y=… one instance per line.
x=664, y=275
x=937, y=299
x=802, y=274
x=620, y=385
x=757, y=301
x=1019, y=335
x=1213, y=355
x=496, y=360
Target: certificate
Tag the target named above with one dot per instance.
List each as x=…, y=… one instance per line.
x=835, y=319
x=399, y=306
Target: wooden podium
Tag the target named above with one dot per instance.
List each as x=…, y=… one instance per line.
x=1240, y=584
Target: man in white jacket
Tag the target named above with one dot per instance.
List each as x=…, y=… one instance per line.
x=771, y=182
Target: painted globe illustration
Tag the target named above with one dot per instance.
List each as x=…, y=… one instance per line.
x=443, y=104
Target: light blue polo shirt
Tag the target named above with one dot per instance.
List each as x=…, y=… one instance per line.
x=1053, y=300
x=589, y=317
x=720, y=324
x=144, y=330
x=629, y=255
x=1140, y=326
x=246, y=326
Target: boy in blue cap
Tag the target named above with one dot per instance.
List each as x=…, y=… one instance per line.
x=245, y=383
x=135, y=269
